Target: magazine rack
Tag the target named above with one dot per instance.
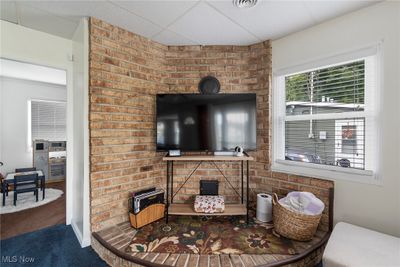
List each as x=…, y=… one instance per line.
x=148, y=215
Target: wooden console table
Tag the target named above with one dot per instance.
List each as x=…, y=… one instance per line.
x=188, y=209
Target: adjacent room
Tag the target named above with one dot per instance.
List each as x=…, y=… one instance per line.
x=200, y=133
x=33, y=135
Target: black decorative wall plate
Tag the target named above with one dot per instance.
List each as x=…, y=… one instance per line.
x=209, y=85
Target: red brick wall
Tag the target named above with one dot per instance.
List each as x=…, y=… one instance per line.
x=126, y=72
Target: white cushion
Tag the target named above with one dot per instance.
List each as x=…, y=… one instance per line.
x=354, y=246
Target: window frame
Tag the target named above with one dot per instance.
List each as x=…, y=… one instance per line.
x=371, y=114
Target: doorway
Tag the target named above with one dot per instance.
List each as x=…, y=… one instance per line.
x=33, y=135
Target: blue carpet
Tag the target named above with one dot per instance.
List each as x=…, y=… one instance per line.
x=53, y=246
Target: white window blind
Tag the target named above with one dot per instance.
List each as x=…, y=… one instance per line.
x=328, y=116
x=48, y=120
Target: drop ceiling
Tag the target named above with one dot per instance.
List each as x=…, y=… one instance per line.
x=191, y=22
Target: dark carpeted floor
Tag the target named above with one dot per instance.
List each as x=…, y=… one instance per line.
x=53, y=246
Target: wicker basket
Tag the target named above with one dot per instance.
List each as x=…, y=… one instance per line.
x=293, y=225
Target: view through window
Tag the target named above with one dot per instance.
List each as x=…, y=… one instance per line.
x=325, y=120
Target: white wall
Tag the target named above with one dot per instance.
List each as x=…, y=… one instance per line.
x=24, y=44
x=372, y=206
x=14, y=97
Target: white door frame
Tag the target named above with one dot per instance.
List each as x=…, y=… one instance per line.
x=83, y=233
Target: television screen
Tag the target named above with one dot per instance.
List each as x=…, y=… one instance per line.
x=194, y=122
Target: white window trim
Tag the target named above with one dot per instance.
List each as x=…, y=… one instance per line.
x=371, y=115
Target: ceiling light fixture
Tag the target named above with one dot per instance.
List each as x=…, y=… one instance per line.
x=244, y=3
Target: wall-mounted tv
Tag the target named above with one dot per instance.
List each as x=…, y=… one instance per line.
x=195, y=122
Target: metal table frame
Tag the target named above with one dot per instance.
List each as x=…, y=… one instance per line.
x=170, y=181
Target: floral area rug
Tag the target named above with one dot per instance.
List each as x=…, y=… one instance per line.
x=209, y=235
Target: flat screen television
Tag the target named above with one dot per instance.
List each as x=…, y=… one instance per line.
x=195, y=122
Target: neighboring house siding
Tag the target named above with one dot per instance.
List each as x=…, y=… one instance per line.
x=297, y=139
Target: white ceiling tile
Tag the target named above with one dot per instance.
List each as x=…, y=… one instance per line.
x=120, y=17
x=162, y=13
x=64, y=8
x=8, y=11
x=325, y=10
x=268, y=19
x=213, y=22
x=47, y=22
x=206, y=26
x=170, y=38
x=73, y=10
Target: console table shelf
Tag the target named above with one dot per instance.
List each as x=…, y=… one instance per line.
x=207, y=158
x=188, y=209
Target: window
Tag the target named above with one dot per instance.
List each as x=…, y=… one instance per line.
x=48, y=120
x=327, y=116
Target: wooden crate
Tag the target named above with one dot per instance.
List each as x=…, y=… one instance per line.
x=150, y=214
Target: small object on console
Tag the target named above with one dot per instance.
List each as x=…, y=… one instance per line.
x=174, y=153
x=209, y=187
x=209, y=204
x=224, y=153
x=239, y=151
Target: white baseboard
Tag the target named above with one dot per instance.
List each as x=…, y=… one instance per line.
x=78, y=233
x=84, y=242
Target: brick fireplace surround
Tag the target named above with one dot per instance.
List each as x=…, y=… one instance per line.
x=126, y=73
